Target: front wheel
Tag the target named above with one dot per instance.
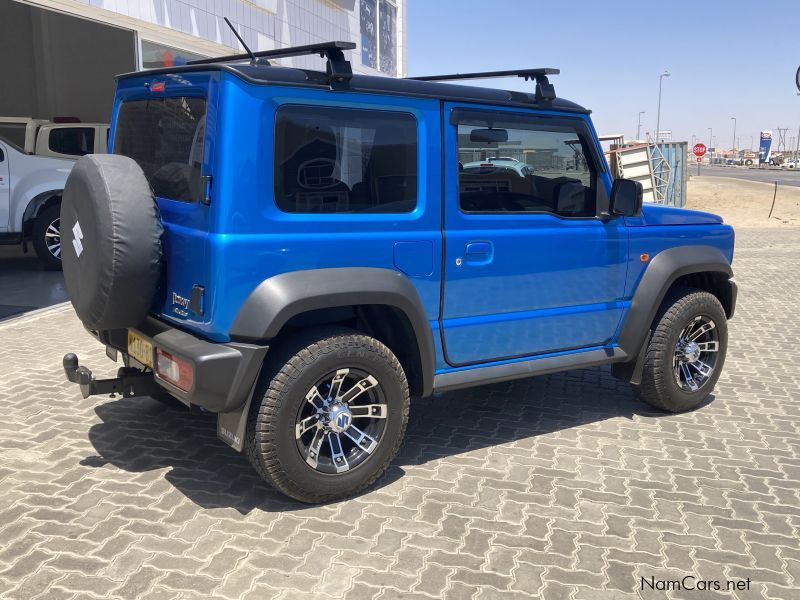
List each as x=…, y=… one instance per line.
x=328, y=416
x=47, y=237
x=686, y=352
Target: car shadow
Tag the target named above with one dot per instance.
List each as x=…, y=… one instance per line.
x=141, y=434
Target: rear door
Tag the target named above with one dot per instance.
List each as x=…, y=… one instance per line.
x=529, y=269
x=163, y=127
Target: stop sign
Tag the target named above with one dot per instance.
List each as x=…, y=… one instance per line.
x=699, y=150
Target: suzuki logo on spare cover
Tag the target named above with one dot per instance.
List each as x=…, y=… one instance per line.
x=77, y=237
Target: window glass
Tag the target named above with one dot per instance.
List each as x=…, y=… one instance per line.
x=515, y=166
x=388, y=42
x=76, y=141
x=165, y=136
x=369, y=36
x=337, y=160
x=14, y=133
x=155, y=56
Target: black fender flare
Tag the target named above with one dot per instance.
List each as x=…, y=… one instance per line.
x=279, y=298
x=662, y=271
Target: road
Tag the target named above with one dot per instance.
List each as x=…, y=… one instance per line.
x=782, y=176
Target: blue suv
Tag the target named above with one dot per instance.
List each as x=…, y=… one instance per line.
x=301, y=252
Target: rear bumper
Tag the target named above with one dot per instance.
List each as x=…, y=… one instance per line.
x=224, y=374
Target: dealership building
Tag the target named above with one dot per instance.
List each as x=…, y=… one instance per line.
x=59, y=57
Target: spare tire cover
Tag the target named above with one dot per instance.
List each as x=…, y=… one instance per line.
x=111, y=241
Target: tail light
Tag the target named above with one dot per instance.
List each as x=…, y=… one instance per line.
x=174, y=370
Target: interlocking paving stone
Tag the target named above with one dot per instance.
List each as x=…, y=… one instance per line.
x=564, y=486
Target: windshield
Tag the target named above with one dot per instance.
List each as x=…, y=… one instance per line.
x=165, y=137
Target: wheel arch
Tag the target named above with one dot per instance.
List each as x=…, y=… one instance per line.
x=36, y=205
x=380, y=302
x=703, y=267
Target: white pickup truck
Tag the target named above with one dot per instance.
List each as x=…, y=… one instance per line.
x=36, y=157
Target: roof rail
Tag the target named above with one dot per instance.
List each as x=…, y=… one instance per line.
x=544, y=89
x=338, y=68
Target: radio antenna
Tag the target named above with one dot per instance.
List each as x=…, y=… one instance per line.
x=241, y=41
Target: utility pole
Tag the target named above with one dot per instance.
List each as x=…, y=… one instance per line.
x=639, y=126
x=797, y=149
x=658, y=118
x=734, y=132
x=781, y=138
x=710, y=146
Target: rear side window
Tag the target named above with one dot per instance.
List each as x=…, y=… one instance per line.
x=14, y=133
x=76, y=141
x=341, y=160
x=165, y=136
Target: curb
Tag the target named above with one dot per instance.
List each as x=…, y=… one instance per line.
x=33, y=315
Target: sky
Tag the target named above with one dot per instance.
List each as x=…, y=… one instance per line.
x=725, y=59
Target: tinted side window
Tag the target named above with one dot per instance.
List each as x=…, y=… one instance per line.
x=165, y=136
x=77, y=141
x=516, y=166
x=14, y=133
x=339, y=160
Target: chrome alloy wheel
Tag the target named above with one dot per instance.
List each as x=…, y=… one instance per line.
x=342, y=421
x=696, y=354
x=52, y=238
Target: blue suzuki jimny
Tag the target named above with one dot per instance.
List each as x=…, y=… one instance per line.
x=300, y=252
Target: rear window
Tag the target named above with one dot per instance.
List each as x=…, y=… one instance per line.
x=76, y=141
x=14, y=133
x=165, y=136
x=341, y=160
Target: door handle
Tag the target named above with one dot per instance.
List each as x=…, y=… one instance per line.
x=479, y=253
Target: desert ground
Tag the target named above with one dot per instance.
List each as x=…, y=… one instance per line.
x=745, y=203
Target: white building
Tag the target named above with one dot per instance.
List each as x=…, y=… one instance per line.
x=59, y=56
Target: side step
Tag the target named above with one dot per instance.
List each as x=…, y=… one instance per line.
x=129, y=382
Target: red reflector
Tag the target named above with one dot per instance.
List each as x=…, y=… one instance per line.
x=158, y=87
x=174, y=370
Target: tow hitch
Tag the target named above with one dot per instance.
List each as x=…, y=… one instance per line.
x=128, y=383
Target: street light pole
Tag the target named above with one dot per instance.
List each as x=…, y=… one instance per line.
x=658, y=118
x=710, y=146
x=639, y=126
x=734, y=132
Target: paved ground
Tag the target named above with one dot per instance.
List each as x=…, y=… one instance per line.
x=558, y=487
x=789, y=177
x=25, y=285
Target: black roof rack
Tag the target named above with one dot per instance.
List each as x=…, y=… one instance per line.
x=338, y=68
x=545, y=91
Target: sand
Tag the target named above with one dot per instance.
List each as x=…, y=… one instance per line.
x=745, y=203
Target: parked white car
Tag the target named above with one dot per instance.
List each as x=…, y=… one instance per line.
x=36, y=157
x=30, y=201
x=59, y=140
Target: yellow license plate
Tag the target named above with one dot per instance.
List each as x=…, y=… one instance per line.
x=140, y=349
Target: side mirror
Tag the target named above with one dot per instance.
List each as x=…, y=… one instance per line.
x=626, y=198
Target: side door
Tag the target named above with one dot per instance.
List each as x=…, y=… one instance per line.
x=530, y=267
x=5, y=188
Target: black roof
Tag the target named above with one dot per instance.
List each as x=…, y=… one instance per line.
x=270, y=74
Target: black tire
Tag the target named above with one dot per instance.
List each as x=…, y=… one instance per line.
x=111, y=241
x=664, y=364
x=272, y=443
x=45, y=242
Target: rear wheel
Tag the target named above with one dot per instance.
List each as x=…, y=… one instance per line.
x=47, y=237
x=328, y=416
x=686, y=352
